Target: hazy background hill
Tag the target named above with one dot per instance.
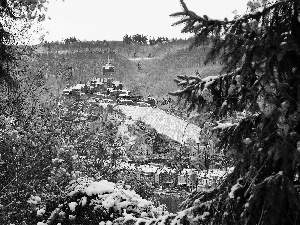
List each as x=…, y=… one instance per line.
x=159, y=64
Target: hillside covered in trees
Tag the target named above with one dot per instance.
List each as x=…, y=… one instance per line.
x=158, y=64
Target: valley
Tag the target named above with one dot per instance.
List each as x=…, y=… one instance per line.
x=156, y=73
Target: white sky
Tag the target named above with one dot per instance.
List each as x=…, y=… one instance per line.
x=112, y=19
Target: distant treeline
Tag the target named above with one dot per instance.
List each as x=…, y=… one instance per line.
x=73, y=45
x=74, y=42
x=137, y=39
x=142, y=39
x=128, y=39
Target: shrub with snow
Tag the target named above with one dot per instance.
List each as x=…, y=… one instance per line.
x=101, y=201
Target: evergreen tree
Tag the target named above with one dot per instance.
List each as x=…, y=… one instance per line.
x=152, y=41
x=139, y=39
x=260, y=83
x=70, y=40
x=127, y=39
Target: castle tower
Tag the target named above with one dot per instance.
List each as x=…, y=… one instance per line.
x=108, y=72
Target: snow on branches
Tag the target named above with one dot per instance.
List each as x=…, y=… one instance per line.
x=260, y=53
x=101, y=201
x=204, y=91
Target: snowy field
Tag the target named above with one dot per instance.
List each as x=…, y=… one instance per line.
x=175, y=128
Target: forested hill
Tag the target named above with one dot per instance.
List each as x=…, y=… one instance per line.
x=159, y=64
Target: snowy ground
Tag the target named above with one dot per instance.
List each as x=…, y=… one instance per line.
x=137, y=59
x=177, y=129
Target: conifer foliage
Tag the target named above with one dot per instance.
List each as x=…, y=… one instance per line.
x=260, y=82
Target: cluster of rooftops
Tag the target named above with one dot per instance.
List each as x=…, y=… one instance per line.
x=107, y=88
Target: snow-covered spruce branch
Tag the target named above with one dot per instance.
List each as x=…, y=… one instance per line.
x=240, y=37
x=197, y=214
x=188, y=12
x=192, y=82
x=207, y=21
